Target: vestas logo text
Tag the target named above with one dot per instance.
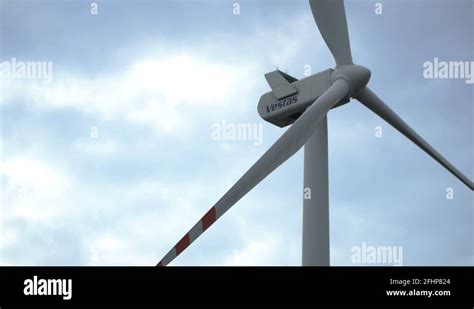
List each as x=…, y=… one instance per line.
x=282, y=103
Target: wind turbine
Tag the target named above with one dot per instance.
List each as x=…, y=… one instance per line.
x=304, y=104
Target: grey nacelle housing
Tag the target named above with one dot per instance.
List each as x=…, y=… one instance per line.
x=284, y=111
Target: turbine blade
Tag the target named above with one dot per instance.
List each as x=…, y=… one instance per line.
x=285, y=147
x=374, y=103
x=330, y=17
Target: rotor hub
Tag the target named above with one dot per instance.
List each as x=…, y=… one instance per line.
x=356, y=76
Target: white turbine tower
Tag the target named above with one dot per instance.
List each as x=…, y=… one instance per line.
x=304, y=104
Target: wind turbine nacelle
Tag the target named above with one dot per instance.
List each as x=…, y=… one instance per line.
x=290, y=97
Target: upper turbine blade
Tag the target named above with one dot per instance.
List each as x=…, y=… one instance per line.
x=370, y=100
x=285, y=147
x=330, y=17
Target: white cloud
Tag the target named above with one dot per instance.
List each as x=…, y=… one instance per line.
x=263, y=251
x=116, y=224
x=31, y=186
x=162, y=92
x=168, y=88
x=101, y=147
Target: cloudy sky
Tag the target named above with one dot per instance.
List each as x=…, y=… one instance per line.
x=112, y=161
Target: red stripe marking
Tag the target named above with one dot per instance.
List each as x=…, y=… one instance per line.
x=208, y=219
x=182, y=244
